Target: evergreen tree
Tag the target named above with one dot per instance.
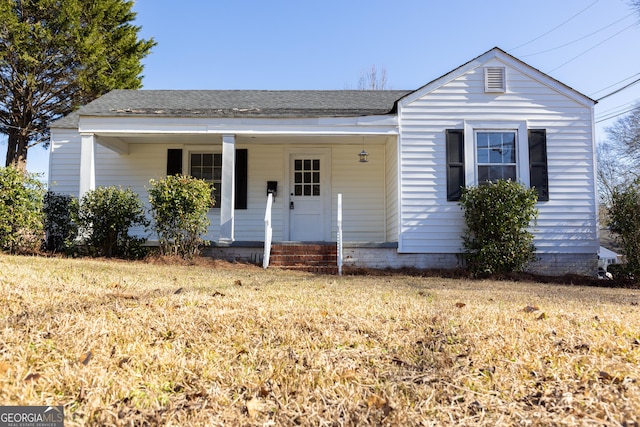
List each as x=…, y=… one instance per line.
x=56, y=55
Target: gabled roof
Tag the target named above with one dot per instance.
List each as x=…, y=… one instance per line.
x=513, y=62
x=286, y=103
x=237, y=104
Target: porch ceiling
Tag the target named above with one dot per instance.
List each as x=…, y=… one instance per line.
x=120, y=142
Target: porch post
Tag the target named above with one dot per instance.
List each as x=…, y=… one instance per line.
x=87, y=163
x=227, y=204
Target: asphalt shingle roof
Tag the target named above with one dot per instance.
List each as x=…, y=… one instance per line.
x=238, y=104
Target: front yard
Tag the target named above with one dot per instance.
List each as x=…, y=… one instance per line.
x=121, y=343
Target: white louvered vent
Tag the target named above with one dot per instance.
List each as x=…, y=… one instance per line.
x=494, y=79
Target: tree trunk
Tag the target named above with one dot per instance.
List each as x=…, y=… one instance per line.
x=17, y=150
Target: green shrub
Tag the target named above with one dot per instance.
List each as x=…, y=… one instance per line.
x=497, y=215
x=179, y=209
x=105, y=216
x=20, y=211
x=60, y=230
x=624, y=221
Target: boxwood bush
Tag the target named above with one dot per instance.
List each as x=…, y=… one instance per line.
x=624, y=221
x=60, y=230
x=179, y=207
x=497, y=216
x=21, y=215
x=104, y=218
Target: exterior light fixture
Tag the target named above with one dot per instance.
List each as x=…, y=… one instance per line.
x=364, y=156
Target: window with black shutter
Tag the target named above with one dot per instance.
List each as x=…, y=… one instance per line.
x=455, y=164
x=174, y=161
x=208, y=166
x=539, y=175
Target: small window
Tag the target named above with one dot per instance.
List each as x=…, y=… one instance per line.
x=494, y=79
x=496, y=155
x=208, y=166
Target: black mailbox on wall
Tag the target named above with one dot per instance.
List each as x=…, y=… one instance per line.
x=272, y=188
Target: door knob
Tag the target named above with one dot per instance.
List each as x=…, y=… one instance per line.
x=291, y=205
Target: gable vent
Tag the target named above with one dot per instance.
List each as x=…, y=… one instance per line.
x=494, y=80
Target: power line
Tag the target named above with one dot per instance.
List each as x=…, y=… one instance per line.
x=554, y=28
x=591, y=48
x=616, y=108
x=616, y=83
x=604, y=119
x=577, y=40
x=618, y=90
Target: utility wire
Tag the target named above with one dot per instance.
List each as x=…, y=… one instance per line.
x=577, y=40
x=615, y=109
x=615, y=115
x=616, y=83
x=619, y=90
x=591, y=48
x=554, y=28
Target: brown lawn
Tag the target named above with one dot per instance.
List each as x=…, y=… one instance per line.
x=121, y=343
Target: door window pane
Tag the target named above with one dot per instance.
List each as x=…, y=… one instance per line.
x=306, y=177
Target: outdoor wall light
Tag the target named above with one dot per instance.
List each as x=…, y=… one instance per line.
x=364, y=156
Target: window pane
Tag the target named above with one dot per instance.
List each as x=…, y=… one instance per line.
x=495, y=140
x=298, y=190
x=495, y=173
x=509, y=172
x=483, y=139
x=483, y=155
x=316, y=190
x=483, y=174
x=298, y=165
x=298, y=177
x=316, y=165
x=307, y=190
x=510, y=149
x=495, y=155
x=207, y=160
x=217, y=174
x=217, y=160
x=316, y=177
x=196, y=173
x=218, y=196
x=307, y=165
x=207, y=174
x=196, y=160
x=307, y=177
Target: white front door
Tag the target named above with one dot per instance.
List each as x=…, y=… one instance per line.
x=307, y=198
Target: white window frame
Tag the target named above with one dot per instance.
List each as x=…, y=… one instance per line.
x=470, y=147
x=476, y=132
x=216, y=183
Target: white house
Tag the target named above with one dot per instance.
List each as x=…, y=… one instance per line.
x=493, y=117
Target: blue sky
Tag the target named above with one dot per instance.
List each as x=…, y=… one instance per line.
x=590, y=45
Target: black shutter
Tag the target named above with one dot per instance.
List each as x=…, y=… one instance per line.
x=455, y=164
x=241, y=178
x=174, y=161
x=539, y=176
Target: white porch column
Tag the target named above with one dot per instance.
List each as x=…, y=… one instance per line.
x=87, y=163
x=227, y=205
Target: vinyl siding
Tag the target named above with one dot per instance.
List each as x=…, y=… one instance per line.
x=362, y=184
x=430, y=224
x=363, y=193
x=64, y=161
x=391, y=190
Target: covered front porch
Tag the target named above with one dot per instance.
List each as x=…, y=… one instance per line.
x=304, y=173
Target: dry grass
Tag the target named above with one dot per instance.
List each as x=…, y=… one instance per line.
x=149, y=344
